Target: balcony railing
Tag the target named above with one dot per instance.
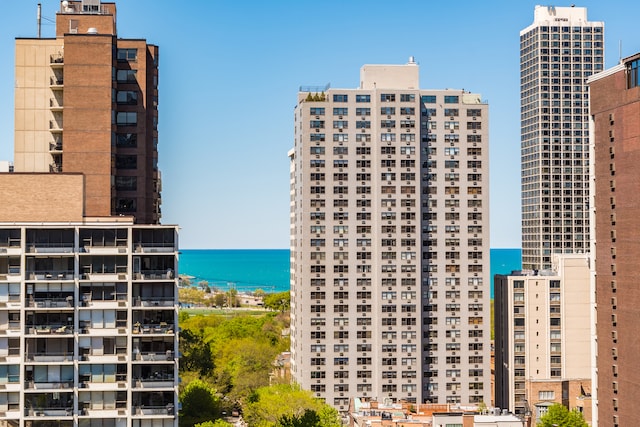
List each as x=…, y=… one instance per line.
x=154, y=275
x=158, y=328
x=49, y=412
x=50, y=275
x=49, y=357
x=53, y=302
x=49, y=329
x=168, y=409
x=57, y=58
x=32, y=385
x=59, y=247
x=153, y=356
x=153, y=301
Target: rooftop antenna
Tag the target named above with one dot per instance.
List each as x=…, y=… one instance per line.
x=620, y=49
x=39, y=20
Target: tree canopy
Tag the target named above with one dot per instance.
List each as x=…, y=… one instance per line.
x=286, y=405
x=199, y=404
x=558, y=415
x=280, y=301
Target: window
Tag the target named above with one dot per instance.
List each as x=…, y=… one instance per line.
x=126, y=118
x=316, y=111
x=451, y=99
x=451, y=112
x=363, y=98
x=127, y=97
x=407, y=97
x=127, y=54
x=340, y=98
x=340, y=111
x=428, y=99
x=633, y=79
x=125, y=205
x=126, y=76
x=387, y=97
x=317, y=137
x=126, y=140
x=126, y=162
x=126, y=183
x=363, y=111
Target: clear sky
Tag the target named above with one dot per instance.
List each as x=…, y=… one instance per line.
x=230, y=72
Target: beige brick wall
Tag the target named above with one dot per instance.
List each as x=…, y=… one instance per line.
x=41, y=197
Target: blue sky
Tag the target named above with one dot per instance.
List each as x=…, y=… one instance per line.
x=230, y=71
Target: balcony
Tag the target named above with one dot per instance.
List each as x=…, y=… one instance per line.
x=56, y=146
x=52, y=385
x=50, y=241
x=154, y=376
x=51, y=301
x=153, y=328
x=100, y=355
x=56, y=60
x=50, y=275
x=55, y=104
x=49, y=404
x=49, y=329
x=13, y=328
x=106, y=242
x=154, y=240
x=49, y=357
x=139, y=301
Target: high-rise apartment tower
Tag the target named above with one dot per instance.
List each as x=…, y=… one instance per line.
x=615, y=109
x=86, y=101
x=88, y=278
x=390, y=241
x=557, y=54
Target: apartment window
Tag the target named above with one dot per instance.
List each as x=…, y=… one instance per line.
x=451, y=99
x=472, y=112
x=129, y=97
x=126, y=76
x=428, y=99
x=126, y=162
x=128, y=140
x=126, y=183
x=127, y=118
x=317, y=111
x=127, y=54
x=363, y=98
x=633, y=79
x=125, y=205
x=317, y=137
x=340, y=111
x=340, y=98
x=451, y=112
x=362, y=111
x=387, y=97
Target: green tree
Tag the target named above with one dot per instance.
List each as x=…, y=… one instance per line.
x=220, y=299
x=558, y=415
x=280, y=301
x=217, y=423
x=195, y=353
x=259, y=293
x=286, y=405
x=199, y=404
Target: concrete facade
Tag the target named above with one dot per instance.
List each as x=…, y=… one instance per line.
x=390, y=242
x=615, y=109
x=543, y=337
x=558, y=52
